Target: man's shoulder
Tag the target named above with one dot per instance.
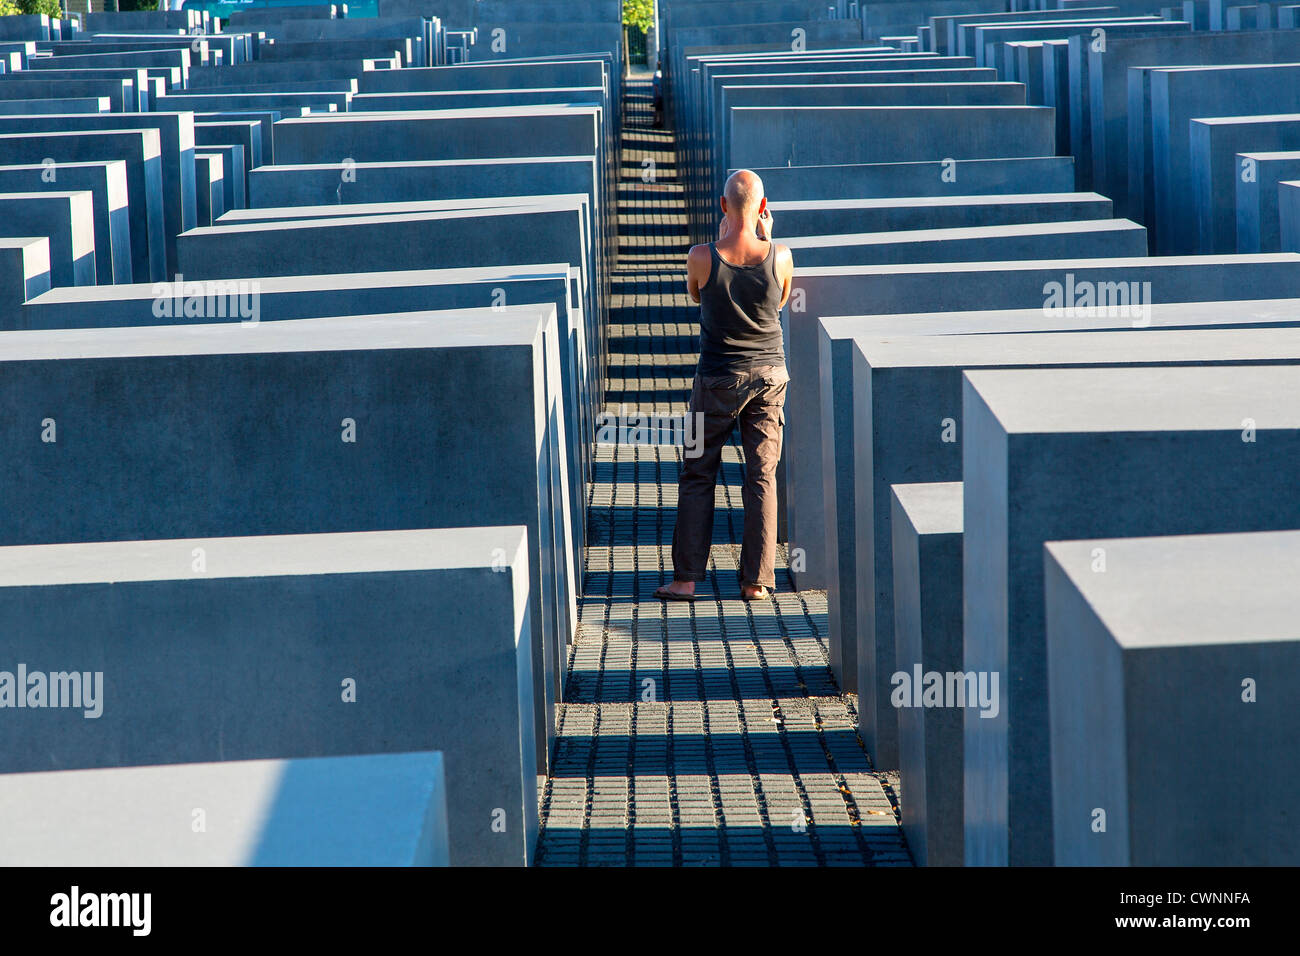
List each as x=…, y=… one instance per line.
x=700, y=254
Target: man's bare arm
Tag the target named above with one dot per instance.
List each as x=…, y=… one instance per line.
x=785, y=272
x=698, y=263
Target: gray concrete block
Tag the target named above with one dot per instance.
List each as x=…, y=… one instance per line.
x=106, y=182
x=1256, y=194
x=232, y=159
x=952, y=287
x=1180, y=95
x=485, y=76
x=276, y=71
x=946, y=28
x=405, y=52
x=823, y=217
x=1288, y=215
x=121, y=93
x=410, y=475
x=1056, y=90
x=246, y=134
x=67, y=219
x=1225, y=443
x=24, y=270
x=927, y=560
x=907, y=427
x=1217, y=614
x=209, y=188
x=1078, y=103
x=19, y=26
x=1109, y=110
x=176, y=140
x=374, y=810
x=1215, y=171
x=863, y=93
x=475, y=99
x=1086, y=239
x=316, y=100
x=517, y=39
x=968, y=177
x=432, y=134
x=867, y=134
x=446, y=664
x=265, y=119
x=142, y=20
x=322, y=183
x=73, y=104
x=549, y=229
x=893, y=254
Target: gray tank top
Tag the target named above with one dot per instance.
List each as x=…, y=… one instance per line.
x=740, y=325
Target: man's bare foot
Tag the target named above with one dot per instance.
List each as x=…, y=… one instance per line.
x=677, y=591
x=754, y=592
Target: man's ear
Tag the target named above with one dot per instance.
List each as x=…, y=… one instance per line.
x=722, y=201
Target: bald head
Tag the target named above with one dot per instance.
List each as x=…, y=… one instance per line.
x=743, y=192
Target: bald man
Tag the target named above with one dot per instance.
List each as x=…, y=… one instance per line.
x=741, y=282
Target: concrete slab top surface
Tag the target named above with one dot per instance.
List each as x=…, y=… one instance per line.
x=335, y=210
x=305, y=283
x=1009, y=321
x=1029, y=265
x=932, y=507
x=1219, y=67
x=151, y=147
x=21, y=242
x=62, y=194
x=313, y=811
x=430, y=163
x=1082, y=348
x=261, y=556
x=955, y=232
x=1186, y=590
x=909, y=201
x=543, y=205
x=866, y=109
x=387, y=116
x=1219, y=398
x=522, y=89
x=509, y=325
x=1260, y=119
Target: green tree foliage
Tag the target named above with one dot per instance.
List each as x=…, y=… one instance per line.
x=8, y=7
x=639, y=14
x=50, y=8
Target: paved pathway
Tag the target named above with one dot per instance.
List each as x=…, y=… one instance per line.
x=709, y=733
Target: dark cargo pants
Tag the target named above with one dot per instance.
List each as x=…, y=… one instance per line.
x=756, y=399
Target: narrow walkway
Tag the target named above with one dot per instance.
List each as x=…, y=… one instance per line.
x=706, y=733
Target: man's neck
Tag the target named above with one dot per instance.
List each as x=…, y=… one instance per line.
x=740, y=226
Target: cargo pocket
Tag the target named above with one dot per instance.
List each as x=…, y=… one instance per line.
x=719, y=395
x=720, y=381
x=774, y=380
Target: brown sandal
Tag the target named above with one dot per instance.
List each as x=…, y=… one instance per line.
x=666, y=595
x=760, y=593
